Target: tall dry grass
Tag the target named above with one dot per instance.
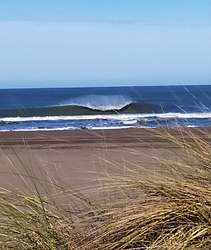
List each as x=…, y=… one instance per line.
x=170, y=209
x=176, y=210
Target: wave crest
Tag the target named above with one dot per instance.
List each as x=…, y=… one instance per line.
x=100, y=102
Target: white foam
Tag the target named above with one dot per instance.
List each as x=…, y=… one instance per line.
x=39, y=129
x=185, y=115
x=111, y=127
x=99, y=102
x=128, y=122
x=133, y=118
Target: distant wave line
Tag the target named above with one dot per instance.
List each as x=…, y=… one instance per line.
x=123, y=117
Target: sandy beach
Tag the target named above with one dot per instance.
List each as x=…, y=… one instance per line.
x=94, y=187
x=76, y=157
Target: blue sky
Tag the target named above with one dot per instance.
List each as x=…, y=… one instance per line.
x=104, y=42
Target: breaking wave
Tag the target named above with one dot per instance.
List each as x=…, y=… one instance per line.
x=77, y=110
x=100, y=102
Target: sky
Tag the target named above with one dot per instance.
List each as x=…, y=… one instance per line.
x=77, y=43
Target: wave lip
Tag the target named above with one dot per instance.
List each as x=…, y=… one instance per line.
x=99, y=102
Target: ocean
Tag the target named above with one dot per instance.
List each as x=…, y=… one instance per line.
x=104, y=107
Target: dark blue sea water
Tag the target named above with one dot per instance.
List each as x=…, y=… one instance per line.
x=106, y=107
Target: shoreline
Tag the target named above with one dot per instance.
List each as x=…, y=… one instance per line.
x=56, y=137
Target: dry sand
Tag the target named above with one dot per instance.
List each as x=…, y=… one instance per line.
x=77, y=157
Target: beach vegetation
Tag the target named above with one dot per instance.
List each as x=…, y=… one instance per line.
x=137, y=207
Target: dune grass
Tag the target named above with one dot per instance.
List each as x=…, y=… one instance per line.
x=146, y=211
x=176, y=212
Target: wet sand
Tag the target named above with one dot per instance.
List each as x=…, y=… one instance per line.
x=76, y=157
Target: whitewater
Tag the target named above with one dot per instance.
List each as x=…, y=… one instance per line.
x=105, y=108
